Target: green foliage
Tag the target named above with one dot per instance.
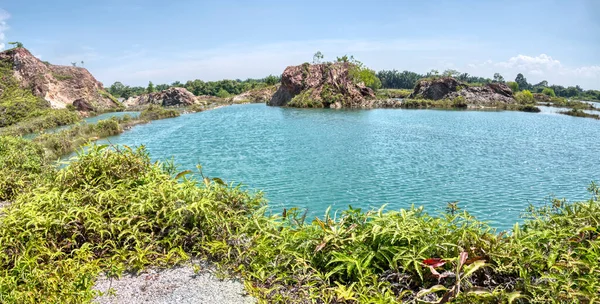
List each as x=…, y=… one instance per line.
x=46, y=120
x=529, y=108
x=150, y=88
x=199, y=87
x=16, y=44
x=112, y=210
x=157, y=112
x=66, y=141
x=359, y=73
x=580, y=113
x=306, y=100
x=222, y=94
x=61, y=77
x=392, y=93
x=498, y=78
x=21, y=164
x=513, y=86
x=548, y=92
x=524, y=97
x=318, y=57
x=522, y=82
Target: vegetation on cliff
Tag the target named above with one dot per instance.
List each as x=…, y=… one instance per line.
x=112, y=210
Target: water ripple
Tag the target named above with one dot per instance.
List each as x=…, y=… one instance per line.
x=494, y=163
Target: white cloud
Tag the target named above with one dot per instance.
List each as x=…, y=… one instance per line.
x=4, y=15
x=542, y=67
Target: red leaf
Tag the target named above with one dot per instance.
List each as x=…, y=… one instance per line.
x=434, y=262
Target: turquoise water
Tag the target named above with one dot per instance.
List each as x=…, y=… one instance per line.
x=494, y=163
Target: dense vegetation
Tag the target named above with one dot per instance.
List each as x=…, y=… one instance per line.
x=222, y=88
x=407, y=80
x=24, y=112
x=113, y=210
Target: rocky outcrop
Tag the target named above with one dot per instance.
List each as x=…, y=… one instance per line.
x=171, y=97
x=59, y=85
x=450, y=88
x=256, y=95
x=82, y=105
x=321, y=86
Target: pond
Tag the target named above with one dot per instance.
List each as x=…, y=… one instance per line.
x=494, y=163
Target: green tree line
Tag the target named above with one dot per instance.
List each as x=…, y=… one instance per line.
x=393, y=79
x=221, y=88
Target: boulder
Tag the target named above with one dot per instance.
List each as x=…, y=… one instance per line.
x=59, y=85
x=171, y=97
x=321, y=85
x=450, y=88
x=82, y=105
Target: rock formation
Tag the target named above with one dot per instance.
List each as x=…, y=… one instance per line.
x=450, y=88
x=256, y=95
x=171, y=97
x=321, y=86
x=59, y=85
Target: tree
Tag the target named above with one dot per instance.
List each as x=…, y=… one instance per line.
x=271, y=80
x=524, y=97
x=74, y=64
x=549, y=92
x=522, y=81
x=513, y=86
x=498, y=78
x=317, y=57
x=451, y=73
x=16, y=44
x=150, y=88
x=117, y=89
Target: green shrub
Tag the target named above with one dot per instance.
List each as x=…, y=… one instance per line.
x=548, y=92
x=154, y=112
x=21, y=162
x=524, y=97
x=47, y=119
x=112, y=210
x=513, y=86
x=529, y=108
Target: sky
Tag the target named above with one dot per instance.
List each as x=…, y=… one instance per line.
x=136, y=41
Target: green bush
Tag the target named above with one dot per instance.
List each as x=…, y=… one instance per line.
x=154, y=112
x=48, y=119
x=548, y=92
x=513, y=86
x=21, y=163
x=112, y=210
x=524, y=97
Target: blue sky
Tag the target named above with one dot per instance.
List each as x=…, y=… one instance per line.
x=162, y=41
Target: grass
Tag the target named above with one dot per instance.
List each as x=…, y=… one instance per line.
x=61, y=77
x=156, y=112
x=392, y=93
x=67, y=141
x=456, y=103
x=112, y=210
x=580, y=113
x=48, y=120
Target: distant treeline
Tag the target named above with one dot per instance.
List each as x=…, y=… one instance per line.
x=221, y=88
x=390, y=79
x=393, y=79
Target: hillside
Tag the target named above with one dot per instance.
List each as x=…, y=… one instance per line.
x=58, y=85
